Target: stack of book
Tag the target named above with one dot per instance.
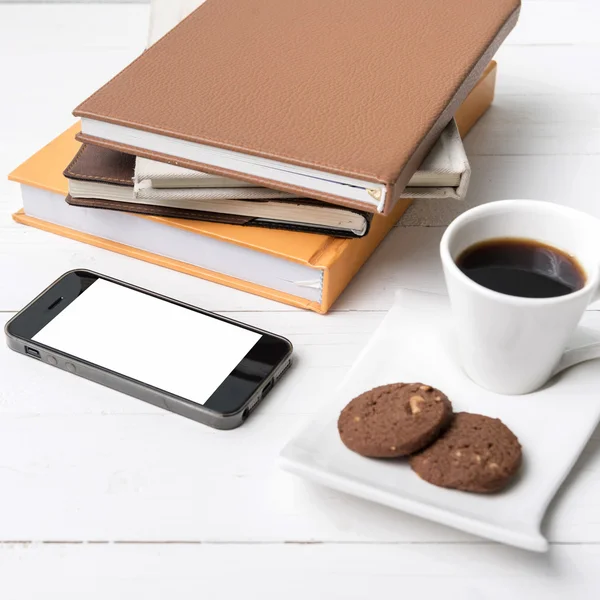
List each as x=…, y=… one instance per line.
x=273, y=163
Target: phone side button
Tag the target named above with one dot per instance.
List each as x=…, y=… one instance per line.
x=51, y=360
x=70, y=367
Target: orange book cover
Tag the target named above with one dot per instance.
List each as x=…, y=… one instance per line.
x=334, y=260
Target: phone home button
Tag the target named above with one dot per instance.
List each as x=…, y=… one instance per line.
x=70, y=367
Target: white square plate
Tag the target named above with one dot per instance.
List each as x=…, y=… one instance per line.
x=415, y=343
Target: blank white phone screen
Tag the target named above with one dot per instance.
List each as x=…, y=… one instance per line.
x=169, y=347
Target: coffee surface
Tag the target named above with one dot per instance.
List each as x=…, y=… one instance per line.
x=522, y=267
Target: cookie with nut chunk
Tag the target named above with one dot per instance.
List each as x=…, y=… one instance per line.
x=475, y=454
x=394, y=420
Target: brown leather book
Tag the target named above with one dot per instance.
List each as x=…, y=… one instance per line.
x=103, y=178
x=338, y=101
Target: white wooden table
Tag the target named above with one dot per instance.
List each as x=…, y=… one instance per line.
x=103, y=496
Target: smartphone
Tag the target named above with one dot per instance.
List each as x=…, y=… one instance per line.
x=186, y=360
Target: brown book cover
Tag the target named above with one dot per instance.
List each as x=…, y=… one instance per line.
x=94, y=164
x=337, y=101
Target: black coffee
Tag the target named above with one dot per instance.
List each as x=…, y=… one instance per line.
x=521, y=267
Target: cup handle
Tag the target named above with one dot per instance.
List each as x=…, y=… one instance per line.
x=587, y=344
x=588, y=348
x=596, y=295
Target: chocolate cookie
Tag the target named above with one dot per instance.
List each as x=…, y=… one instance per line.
x=394, y=420
x=475, y=454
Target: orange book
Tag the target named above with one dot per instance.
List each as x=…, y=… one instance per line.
x=305, y=270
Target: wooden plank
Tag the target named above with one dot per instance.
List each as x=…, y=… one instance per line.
x=544, y=124
x=568, y=180
x=562, y=179
x=69, y=27
x=110, y=467
x=559, y=22
x=297, y=572
x=162, y=478
x=539, y=70
x=83, y=463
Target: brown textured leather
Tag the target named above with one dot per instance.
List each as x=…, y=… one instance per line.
x=93, y=163
x=354, y=87
x=158, y=211
x=96, y=163
x=210, y=217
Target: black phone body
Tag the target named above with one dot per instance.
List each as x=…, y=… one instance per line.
x=186, y=360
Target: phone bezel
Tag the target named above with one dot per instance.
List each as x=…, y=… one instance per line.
x=227, y=407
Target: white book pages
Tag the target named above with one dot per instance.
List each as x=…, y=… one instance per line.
x=161, y=239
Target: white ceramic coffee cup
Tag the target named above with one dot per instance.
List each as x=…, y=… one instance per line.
x=509, y=344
